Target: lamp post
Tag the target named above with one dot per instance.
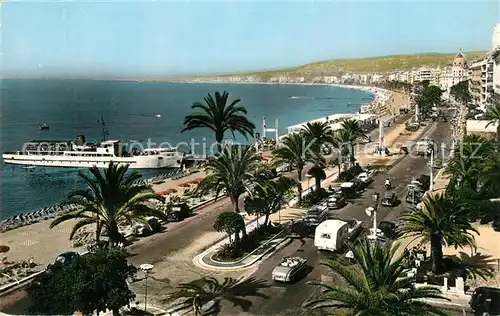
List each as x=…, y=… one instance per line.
x=431, y=167
x=146, y=268
x=372, y=211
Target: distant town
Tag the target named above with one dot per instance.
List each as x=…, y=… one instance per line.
x=479, y=71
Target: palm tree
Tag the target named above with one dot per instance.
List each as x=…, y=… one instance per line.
x=471, y=160
x=318, y=173
x=355, y=130
x=205, y=295
x=320, y=134
x=232, y=173
x=475, y=265
x=377, y=284
x=440, y=221
x=112, y=198
x=219, y=117
x=493, y=116
x=269, y=197
x=345, y=141
x=297, y=152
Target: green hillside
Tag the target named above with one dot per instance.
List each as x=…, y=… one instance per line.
x=372, y=64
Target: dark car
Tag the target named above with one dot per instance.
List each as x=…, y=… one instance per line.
x=389, y=229
x=179, y=212
x=336, y=201
x=315, y=215
x=485, y=300
x=67, y=257
x=389, y=199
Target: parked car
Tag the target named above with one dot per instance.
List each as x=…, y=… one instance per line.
x=315, y=215
x=336, y=201
x=349, y=189
x=389, y=199
x=365, y=177
x=179, y=212
x=67, y=257
x=414, y=194
x=485, y=300
x=289, y=269
x=389, y=229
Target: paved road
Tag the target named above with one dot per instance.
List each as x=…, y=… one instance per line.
x=181, y=235
x=288, y=296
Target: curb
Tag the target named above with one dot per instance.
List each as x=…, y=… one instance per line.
x=197, y=260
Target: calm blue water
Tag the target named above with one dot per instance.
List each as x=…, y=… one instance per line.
x=73, y=107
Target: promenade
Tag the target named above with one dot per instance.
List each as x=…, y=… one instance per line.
x=171, y=252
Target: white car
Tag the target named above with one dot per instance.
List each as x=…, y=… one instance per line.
x=365, y=177
x=289, y=269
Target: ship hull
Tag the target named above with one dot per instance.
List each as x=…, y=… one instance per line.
x=136, y=162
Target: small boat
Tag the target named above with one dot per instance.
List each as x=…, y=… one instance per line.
x=44, y=127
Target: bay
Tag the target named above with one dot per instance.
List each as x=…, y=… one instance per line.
x=73, y=107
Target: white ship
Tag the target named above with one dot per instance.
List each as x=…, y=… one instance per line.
x=81, y=154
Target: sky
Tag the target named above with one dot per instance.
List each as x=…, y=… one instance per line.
x=165, y=38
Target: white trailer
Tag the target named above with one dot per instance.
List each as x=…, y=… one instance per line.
x=331, y=235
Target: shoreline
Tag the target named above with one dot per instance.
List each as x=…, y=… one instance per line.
x=379, y=97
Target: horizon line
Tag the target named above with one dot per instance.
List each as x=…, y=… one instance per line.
x=222, y=73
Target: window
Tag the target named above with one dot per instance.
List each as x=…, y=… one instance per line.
x=325, y=235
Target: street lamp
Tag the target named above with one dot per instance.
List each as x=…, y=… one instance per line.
x=372, y=211
x=431, y=187
x=146, y=268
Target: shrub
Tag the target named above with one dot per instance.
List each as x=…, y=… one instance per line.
x=313, y=198
x=350, y=173
x=234, y=251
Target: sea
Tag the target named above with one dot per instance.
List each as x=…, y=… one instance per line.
x=75, y=107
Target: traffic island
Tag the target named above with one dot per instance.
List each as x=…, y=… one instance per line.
x=210, y=258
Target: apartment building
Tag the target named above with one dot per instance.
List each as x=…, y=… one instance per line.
x=481, y=80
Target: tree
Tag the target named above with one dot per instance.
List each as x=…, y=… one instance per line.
x=470, y=160
x=377, y=284
x=351, y=131
x=204, y=296
x=319, y=133
x=429, y=96
x=112, y=199
x=230, y=223
x=475, y=265
x=219, y=117
x=461, y=92
x=345, y=140
x=318, y=173
x=269, y=197
x=94, y=282
x=232, y=173
x=442, y=221
x=493, y=116
x=296, y=151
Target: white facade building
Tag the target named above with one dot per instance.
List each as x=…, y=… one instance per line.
x=495, y=40
x=495, y=56
x=457, y=73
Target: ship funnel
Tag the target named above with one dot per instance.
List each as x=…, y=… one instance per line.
x=80, y=140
